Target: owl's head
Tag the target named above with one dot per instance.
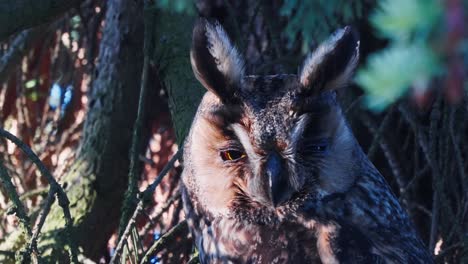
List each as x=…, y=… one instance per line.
x=265, y=143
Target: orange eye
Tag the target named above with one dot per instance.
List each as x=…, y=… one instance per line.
x=232, y=155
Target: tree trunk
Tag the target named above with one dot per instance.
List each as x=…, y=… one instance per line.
x=174, y=36
x=96, y=182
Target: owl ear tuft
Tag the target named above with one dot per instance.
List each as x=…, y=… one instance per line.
x=332, y=64
x=216, y=63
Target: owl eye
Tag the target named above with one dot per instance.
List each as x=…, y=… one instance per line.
x=315, y=147
x=318, y=148
x=232, y=155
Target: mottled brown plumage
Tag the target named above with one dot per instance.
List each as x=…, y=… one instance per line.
x=272, y=172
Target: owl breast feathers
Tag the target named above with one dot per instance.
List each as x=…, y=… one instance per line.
x=272, y=172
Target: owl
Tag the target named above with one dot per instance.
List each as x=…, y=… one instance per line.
x=272, y=172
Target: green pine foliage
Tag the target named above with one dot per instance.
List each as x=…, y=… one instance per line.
x=178, y=6
x=409, y=61
x=315, y=20
x=391, y=72
x=398, y=20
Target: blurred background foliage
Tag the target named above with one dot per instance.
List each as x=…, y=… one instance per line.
x=407, y=106
x=411, y=59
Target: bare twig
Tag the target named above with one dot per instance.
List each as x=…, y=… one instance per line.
x=353, y=104
x=458, y=155
x=422, y=139
x=55, y=188
x=379, y=133
x=421, y=209
x=428, y=154
x=435, y=117
x=163, y=209
x=26, y=195
x=144, y=197
x=152, y=187
x=19, y=207
x=176, y=231
x=126, y=233
x=42, y=217
x=16, y=51
x=415, y=178
x=448, y=249
x=391, y=158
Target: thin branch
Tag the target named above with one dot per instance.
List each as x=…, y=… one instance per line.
x=26, y=195
x=422, y=140
x=436, y=180
x=126, y=233
x=18, y=205
x=379, y=133
x=448, y=249
x=195, y=259
x=415, y=178
x=135, y=149
x=152, y=187
x=421, y=209
x=163, y=209
x=353, y=104
x=42, y=217
x=391, y=158
x=17, y=49
x=145, y=196
x=137, y=243
x=170, y=236
x=55, y=188
x=458, y=155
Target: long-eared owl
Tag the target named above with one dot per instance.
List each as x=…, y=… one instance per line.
x=272, y=172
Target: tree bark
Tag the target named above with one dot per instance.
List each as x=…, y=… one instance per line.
x=22, y=14
x=174, y=36
x=96, y=182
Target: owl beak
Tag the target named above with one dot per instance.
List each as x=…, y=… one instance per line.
x=277, y=180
